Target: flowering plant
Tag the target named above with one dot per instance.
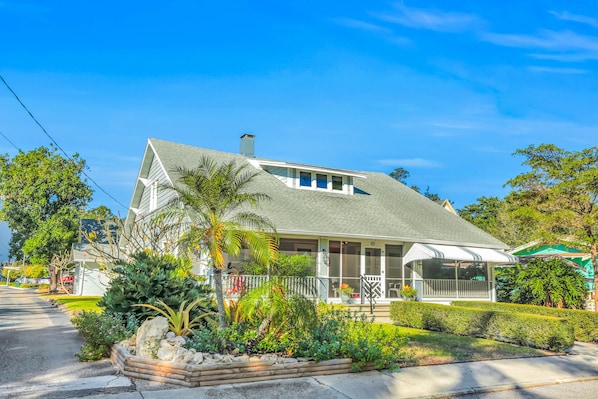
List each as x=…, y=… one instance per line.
x=408, y=292
x=345, y=289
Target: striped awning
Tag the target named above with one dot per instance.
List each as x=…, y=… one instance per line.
x=470, y=254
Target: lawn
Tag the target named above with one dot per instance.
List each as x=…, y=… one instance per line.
x=429, y=347
x=77, y=303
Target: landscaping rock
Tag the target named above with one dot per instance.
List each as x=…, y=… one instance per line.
x=149, y=336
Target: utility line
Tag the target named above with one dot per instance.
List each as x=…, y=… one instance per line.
x=55, y=143
x=11, y=143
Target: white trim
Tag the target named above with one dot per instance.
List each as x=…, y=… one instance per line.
x=307, y=168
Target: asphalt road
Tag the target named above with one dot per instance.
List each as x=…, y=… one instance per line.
x=38, y=345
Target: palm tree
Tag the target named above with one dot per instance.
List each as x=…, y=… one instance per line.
x=214, y=201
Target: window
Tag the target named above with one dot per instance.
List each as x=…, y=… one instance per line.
x=305, y=179
x=337, y=183
x=153, y=196
x=321, y=181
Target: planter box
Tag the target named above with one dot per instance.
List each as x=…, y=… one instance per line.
x=195, y=375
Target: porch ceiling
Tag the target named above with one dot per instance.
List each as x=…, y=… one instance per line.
x=430, y=251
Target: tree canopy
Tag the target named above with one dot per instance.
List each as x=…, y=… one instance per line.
x=560, y=193
x=43, y=196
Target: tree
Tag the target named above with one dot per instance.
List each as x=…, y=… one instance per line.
x=43, y=196
x=101, y=212
x=560, y=193
x=501, y=218
x=214, y=201
x=552, y=283
x=400, y=175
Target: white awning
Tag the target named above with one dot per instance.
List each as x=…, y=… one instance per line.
x=470, y=254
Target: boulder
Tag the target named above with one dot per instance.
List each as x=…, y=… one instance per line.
x=149, y=335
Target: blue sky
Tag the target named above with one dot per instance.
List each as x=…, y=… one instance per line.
x=445, y=89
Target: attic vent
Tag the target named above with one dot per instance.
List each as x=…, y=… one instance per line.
x=247, y=145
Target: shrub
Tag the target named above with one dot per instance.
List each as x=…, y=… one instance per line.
x=100, y=331
x=336, y=334
x=339, y=334
x=585, y=323
x=523, y=329
x=148, y=279
x=295, y=265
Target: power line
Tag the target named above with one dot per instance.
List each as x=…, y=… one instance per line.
x=55, y=143
x=11, y=143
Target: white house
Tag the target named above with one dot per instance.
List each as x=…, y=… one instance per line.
x=364, y=229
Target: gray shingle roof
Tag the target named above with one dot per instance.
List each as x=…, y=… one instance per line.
x=383, y=208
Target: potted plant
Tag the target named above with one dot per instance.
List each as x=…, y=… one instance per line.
x=346, y=293
x=409, y=293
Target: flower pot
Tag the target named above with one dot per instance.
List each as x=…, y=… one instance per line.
x=346, y=298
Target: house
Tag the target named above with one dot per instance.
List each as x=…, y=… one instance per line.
x=92, y=261
x=364, y=229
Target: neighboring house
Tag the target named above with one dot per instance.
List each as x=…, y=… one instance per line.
x=581, y=259
x=446, y=204
x=364, y=229
x=92, y=262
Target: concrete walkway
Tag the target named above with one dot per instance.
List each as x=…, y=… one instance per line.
x=442, y=381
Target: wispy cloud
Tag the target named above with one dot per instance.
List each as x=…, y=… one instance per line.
x=561, y=46
x=361, y=25
x=387, y=33
x=413, y=162
x=582, y=19
x=565, y=71
x=435, y=20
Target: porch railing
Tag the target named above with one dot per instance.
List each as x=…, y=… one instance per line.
x=234, y=285
x=450, y=288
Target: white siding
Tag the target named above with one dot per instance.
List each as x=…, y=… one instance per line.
x=280, y=173
x=155, y=175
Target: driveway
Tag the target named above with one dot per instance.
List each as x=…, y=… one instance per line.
x=37, y=347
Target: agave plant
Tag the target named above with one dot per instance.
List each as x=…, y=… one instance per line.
x=179, y=321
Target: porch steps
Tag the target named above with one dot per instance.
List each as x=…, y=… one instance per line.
x=381, y=312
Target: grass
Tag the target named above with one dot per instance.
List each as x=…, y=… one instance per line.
x=429, y=347
x=78, y=303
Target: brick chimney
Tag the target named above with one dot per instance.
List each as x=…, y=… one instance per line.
x=247, y=145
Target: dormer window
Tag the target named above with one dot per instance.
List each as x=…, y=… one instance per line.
x=337, y=183
x=305, y=179
x=308, y=177
x=321, y=181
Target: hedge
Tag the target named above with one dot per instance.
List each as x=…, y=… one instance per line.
x=536, y=331
x=585, y=323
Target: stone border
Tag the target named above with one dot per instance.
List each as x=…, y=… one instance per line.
x=195, y=375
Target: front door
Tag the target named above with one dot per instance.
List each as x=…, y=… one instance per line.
x=374, y=273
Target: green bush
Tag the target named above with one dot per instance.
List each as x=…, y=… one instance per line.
x=148, y=279
x=585, y=323
x=337, y=334
x=285, y=265
x=523, y=329
x=99, y=331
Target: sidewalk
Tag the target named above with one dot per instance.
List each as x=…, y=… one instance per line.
x=414, y=382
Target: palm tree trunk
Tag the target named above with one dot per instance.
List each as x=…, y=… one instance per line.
x=219, y=298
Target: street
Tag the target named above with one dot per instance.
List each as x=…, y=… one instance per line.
x=38, y=345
